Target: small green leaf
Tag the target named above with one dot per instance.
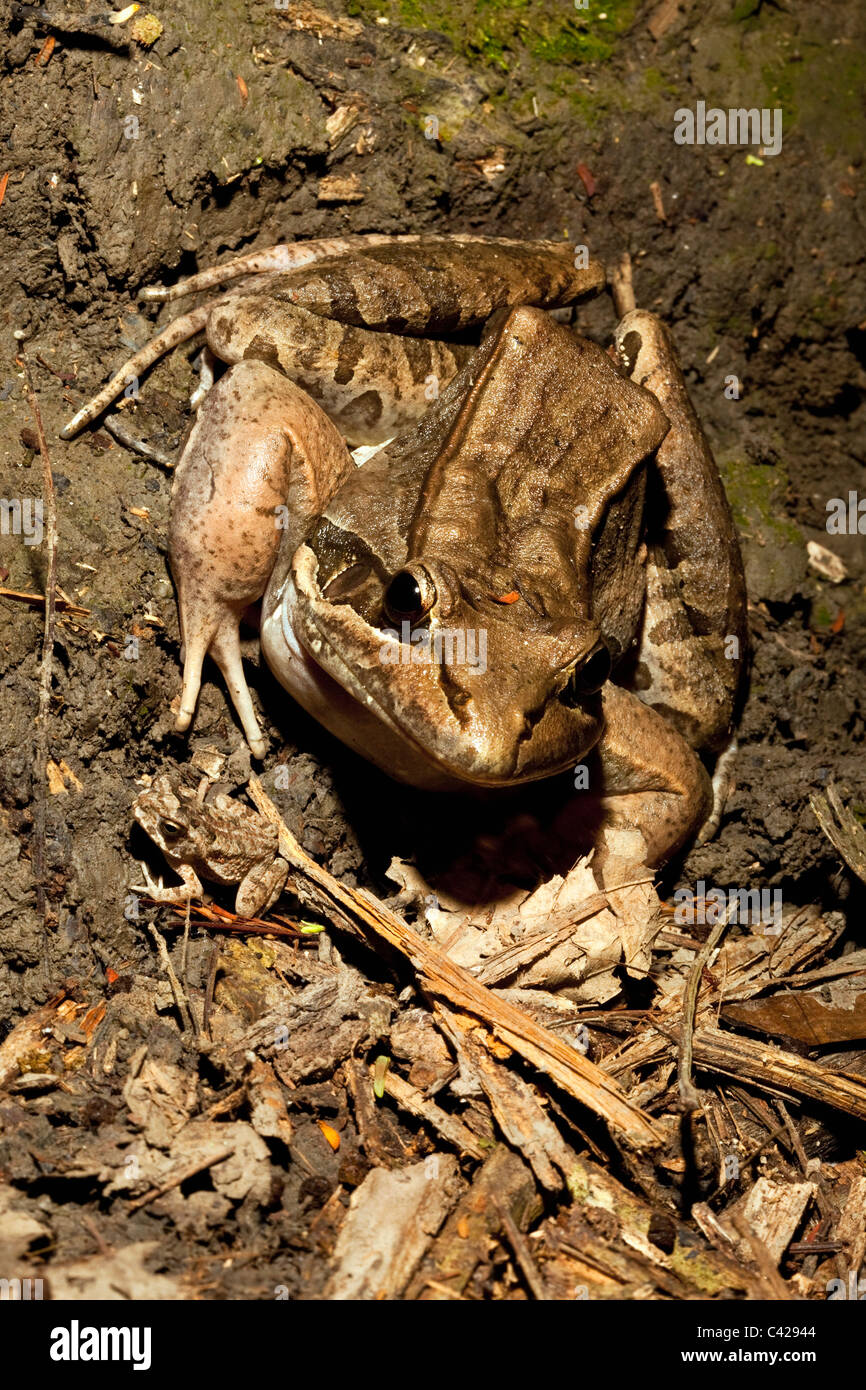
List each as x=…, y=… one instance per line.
x=753, y=159
x=311, y=928
x=380, y=1067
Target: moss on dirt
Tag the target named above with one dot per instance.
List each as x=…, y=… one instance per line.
x=755, y=492
x=500, y=31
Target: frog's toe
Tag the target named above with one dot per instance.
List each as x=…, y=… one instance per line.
x=193, y=656
x=150, y=886
x=226, y=652
x=218, y=638
x=723, y=782
x=206, y=363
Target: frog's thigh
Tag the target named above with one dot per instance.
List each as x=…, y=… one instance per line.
x=371, y=384
x=693, y=644
x=262, y=458
x=260, y=889
x=652, y=781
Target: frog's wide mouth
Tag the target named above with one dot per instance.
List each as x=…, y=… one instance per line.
x=404, y=716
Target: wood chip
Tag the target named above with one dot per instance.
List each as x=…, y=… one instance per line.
x=339, y=188
x=658, y=201
x=503, y=1183
x=662, y=18
x=393, y=1217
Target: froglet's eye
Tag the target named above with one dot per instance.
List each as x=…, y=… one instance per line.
x=170, y=828
x=409, y=596
x=588, y=677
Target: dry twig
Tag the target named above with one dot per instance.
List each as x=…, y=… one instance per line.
x=364, y=916
x=688, y=1095
x=844, y=832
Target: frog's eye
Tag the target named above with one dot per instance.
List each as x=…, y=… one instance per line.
x=588, y=677
x=410, y=596
x=170, y=828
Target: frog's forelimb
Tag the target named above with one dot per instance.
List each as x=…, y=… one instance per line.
x=177, y=332
x=263, y=453
x=180, y=330
x=723, y=782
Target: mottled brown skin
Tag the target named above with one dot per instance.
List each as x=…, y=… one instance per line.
x=540, y=430
x=357, y=332
x=538, y=495
x=222, y=840
x=694, y=639
x=262, y=444
x=260, y=460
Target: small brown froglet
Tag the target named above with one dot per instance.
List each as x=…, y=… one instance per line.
x=220, y=840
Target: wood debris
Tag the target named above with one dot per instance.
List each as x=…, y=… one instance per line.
x=340, y=188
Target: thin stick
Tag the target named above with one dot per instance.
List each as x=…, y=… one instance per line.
x=209, y=988
x=523, y=1254
x=186, y=1015
x=61, y=605
x=41, y=751
x=621, y=286
x=688, y=1095
x=363, y=915
x=190, y=1171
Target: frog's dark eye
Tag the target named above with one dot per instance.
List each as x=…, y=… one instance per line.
x=410, y=596
x=588, y=677
x=171, y=828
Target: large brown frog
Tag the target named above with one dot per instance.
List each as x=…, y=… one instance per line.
x=540, y=567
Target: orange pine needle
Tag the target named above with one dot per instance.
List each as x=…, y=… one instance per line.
x=330, y=1134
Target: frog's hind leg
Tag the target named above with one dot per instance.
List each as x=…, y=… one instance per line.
x=260, y=461
x=284, y=256
x=694, y=641
x=369, y=335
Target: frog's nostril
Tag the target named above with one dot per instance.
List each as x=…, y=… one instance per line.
x=588, y=677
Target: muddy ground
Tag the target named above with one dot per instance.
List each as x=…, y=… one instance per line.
x=245, y=124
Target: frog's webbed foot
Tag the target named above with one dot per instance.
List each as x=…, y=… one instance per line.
x=217, y=635
x=179, y=895
x=723, y=781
